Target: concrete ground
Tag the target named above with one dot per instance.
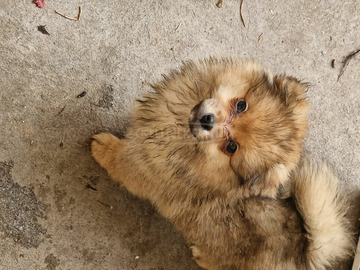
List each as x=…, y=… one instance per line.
x=58, y=209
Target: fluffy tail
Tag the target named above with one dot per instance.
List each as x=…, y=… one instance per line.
x=323, y=211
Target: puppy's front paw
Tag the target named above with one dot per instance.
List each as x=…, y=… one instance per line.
x=264, y=187
x=267, y=184
x=104, y=147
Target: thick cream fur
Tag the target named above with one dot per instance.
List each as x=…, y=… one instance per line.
x=318, y=200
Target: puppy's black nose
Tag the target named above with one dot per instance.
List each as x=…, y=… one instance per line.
x=207, y=121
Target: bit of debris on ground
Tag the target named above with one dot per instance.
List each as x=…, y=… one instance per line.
x=91, y=187
x=60, y=112
x=83, y=94
x=333, y=62
x=39, y=3
x=346, y=62
x=241, y=15
x=43, y=30
x=70, y=18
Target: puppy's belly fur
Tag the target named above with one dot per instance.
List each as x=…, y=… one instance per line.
x=306, y=231
x=247, y=234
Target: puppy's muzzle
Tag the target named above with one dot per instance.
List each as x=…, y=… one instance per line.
x=204, y=119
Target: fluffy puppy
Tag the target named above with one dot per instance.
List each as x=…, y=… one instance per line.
x=210, y=147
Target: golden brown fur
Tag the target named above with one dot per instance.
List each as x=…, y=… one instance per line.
x=224, y=202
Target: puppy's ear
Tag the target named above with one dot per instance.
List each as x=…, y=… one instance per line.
x=290, y=89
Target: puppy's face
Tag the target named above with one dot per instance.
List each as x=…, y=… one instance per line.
x=253, y=125
x=220, y=125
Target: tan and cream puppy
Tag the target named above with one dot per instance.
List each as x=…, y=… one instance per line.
x=211, y=147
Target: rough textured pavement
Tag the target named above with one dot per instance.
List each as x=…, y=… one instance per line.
x=58, y=209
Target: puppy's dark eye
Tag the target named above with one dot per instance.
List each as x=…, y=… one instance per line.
x=231, y=147
x=241, y=106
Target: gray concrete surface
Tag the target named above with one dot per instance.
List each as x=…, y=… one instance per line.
x=58, y=209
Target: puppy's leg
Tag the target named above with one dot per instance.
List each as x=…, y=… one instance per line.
x=110, y=152
x=106, y=149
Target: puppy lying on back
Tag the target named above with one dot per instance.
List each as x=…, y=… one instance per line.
x=210, y=148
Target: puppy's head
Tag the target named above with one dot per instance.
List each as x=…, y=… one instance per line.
x=222, y=124
x=252, y=122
